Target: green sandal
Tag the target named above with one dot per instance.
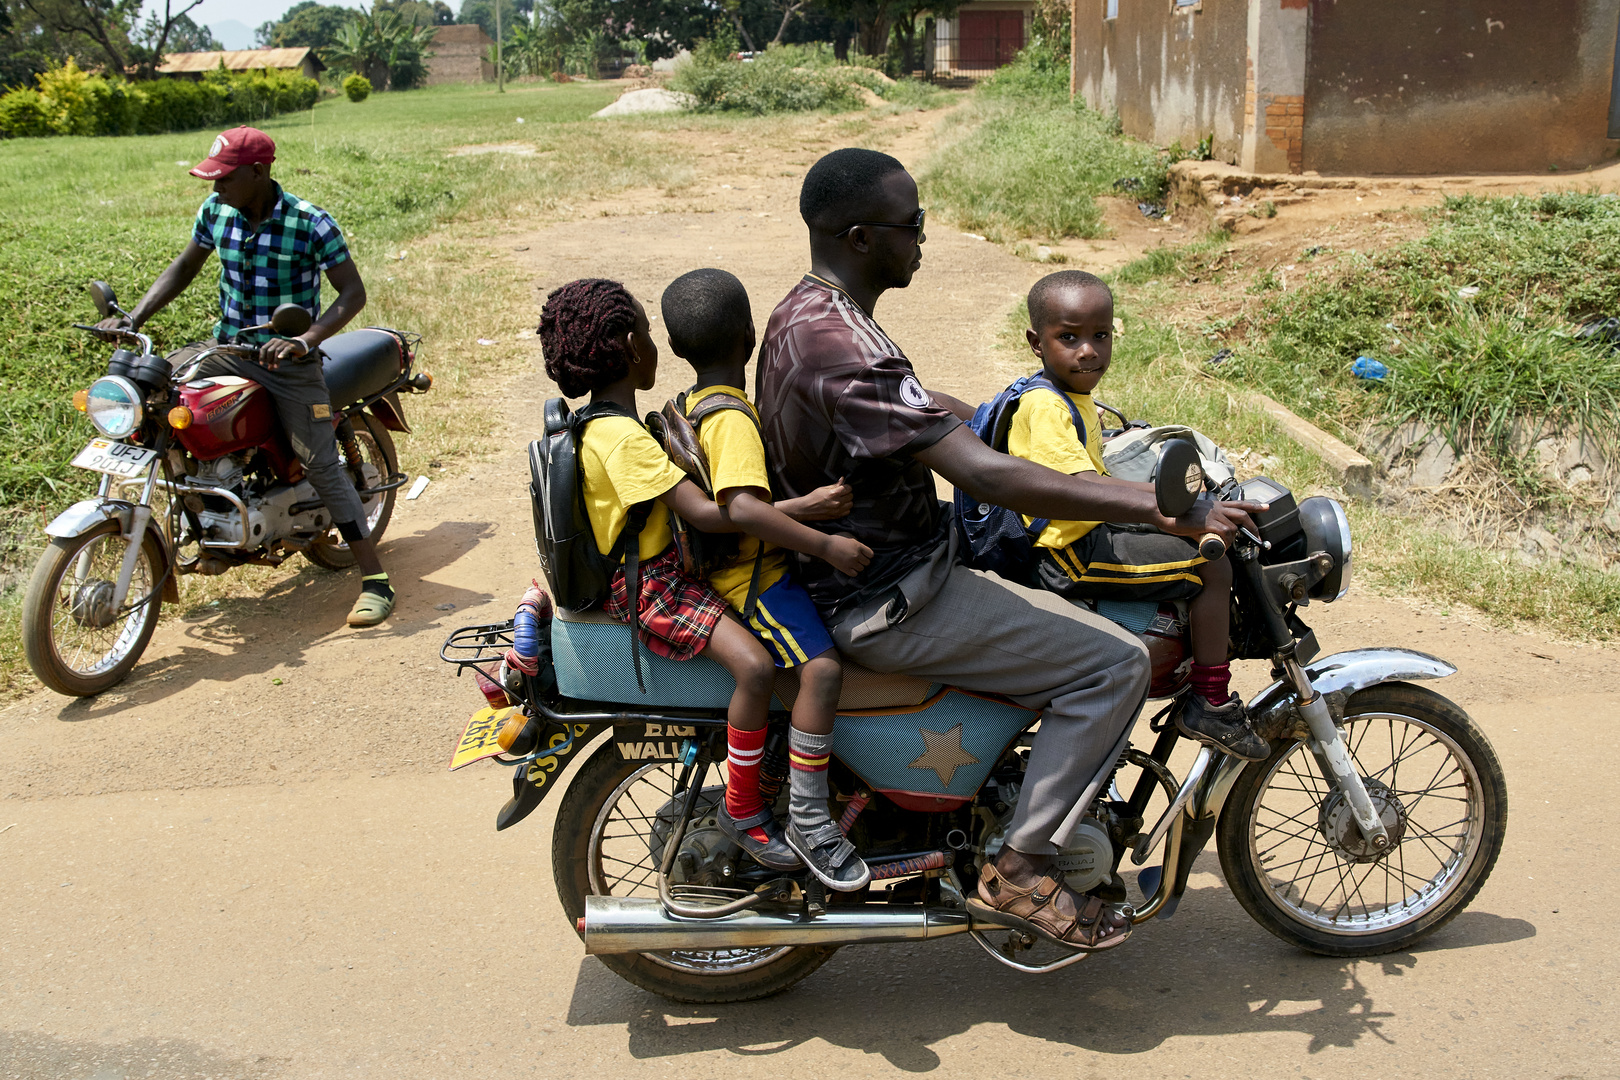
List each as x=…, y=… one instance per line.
x=370, y=609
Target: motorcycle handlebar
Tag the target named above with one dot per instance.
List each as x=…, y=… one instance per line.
x=144, y=341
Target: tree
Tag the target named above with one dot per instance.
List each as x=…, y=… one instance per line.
x=386, y=49
x=308, y=24
x=175, y=32
x=482, y=12
x=187, y=36
x=106, y=23
x=419, y=12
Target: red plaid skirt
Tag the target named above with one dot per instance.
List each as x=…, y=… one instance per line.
x=677, y=613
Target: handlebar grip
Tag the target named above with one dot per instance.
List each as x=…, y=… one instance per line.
x=1211, y=547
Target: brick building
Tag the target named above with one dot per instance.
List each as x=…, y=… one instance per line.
x=460, y=54
x=982, y=36
x=1374, y=86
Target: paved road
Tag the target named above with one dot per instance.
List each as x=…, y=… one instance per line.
x=247, y=861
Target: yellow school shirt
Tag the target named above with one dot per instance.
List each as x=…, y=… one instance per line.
x=1042, y=431
x=737, y=460
x=623, y=465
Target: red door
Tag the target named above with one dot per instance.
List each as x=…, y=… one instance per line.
x=988, y=39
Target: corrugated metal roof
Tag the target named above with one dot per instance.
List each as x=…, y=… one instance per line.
x=235, y=60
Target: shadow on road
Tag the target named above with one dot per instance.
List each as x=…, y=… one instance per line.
x=34, y=1056
x=243, y=636
x=1181, y=979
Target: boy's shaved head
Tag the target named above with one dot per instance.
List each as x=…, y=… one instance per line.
x=1043, y=296
x=706, y=313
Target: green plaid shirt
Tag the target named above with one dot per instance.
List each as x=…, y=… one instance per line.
x=281, y=263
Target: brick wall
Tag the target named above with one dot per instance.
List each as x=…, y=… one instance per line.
x=1285, y=126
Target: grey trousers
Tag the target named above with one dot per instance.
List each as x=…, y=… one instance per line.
x=299, y=391
x=1089, y=676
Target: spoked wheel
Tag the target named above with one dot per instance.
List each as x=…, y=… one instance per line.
x=75, y=640
x=1296, y=861
x=377, y=447
x=609, y=840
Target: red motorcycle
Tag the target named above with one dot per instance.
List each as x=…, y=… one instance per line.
x=197, y=477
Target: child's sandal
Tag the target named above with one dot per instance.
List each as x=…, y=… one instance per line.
x=774, y=853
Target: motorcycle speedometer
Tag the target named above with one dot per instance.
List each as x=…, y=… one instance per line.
x=114, y=406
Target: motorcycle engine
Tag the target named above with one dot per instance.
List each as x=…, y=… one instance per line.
x=1086, y=860
x=225, y=472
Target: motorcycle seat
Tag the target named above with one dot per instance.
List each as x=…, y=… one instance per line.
x=359, y=364
x=591, y=651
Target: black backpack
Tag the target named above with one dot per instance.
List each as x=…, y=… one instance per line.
x=579, y=575
x=995, y=538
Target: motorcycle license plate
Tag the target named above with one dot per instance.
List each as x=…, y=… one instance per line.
x=652, y=742
x=115, y=458
x=478, y=741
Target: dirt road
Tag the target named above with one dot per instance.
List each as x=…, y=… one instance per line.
x=248, y=861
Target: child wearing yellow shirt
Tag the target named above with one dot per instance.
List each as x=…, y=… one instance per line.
x=710, y=325
x=1071, y=315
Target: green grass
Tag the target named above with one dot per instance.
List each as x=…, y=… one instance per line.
x=1475, y=367
x=1021, y=160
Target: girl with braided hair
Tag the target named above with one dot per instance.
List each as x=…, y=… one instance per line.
x=595, y=338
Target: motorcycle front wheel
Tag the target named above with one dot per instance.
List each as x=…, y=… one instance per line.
x=75, y=641
x=377, y=447
x=1295, y=860
x=607, y=842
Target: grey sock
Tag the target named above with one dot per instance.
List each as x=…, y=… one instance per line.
x=807, y=804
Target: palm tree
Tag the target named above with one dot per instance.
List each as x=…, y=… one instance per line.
x=374, y=41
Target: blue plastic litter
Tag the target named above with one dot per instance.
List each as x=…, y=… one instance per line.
x=1366, y=367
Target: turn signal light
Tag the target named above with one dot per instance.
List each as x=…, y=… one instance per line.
x=519, y=735
x=421, y=382
x=180, y=418
x=81, y=400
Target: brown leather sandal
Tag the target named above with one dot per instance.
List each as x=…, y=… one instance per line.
x=1035, y=911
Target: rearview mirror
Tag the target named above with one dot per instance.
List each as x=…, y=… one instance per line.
x=1178, y=478
x=289, y=320
x=101, y=294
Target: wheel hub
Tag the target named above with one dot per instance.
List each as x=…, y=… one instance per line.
x=1337, y=823
x=92, y=604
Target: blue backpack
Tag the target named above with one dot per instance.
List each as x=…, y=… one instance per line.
x=994, y=538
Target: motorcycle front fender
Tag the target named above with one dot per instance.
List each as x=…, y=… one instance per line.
x=1345, y=672
x=81, y=517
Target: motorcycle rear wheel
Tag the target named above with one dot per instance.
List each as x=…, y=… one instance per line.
x=604, y=844
x=377, y=445
x=1291, y=854
x=73, y=643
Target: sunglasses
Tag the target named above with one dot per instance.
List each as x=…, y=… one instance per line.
x=916, y=223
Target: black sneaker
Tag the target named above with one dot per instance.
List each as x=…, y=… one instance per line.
x=1227, y=726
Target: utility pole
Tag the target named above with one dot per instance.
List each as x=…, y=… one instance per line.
x=500, y=61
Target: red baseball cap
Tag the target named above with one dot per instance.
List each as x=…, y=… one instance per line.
x=234, y=148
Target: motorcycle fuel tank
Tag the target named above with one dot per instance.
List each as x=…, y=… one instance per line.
x=228, y=413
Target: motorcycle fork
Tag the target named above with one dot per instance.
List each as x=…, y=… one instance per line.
x=1327, y=741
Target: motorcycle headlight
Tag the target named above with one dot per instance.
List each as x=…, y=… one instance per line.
x=114, y=406
x=1328, y=529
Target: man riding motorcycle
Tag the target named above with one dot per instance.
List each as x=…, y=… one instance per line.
x=272, y=248
x=839, y=399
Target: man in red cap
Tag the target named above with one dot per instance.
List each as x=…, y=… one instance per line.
x=273, y=248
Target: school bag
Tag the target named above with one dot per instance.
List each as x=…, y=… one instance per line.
x=1134, y=453
x=702, y=553
x=993, y=537
x=579, y=574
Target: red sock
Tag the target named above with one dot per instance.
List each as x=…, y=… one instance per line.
x=1213, y=682
x=745, y=749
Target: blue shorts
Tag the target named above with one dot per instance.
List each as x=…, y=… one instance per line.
x=786, y=622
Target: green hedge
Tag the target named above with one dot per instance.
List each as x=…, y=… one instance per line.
x=70, y=101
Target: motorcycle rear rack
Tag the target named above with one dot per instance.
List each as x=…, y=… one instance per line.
x=472, y=646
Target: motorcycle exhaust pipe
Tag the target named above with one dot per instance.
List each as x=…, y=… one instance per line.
x=614, y=924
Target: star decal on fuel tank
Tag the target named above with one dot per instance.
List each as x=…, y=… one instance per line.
x=942, y=752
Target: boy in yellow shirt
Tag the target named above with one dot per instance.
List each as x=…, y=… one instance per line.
x=1071, y=316
x=595, y=338
x=710, y=325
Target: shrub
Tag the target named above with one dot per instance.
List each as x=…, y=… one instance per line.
x=357, y=87
x=70, y=101
x=785, y=78
x=24, y=113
